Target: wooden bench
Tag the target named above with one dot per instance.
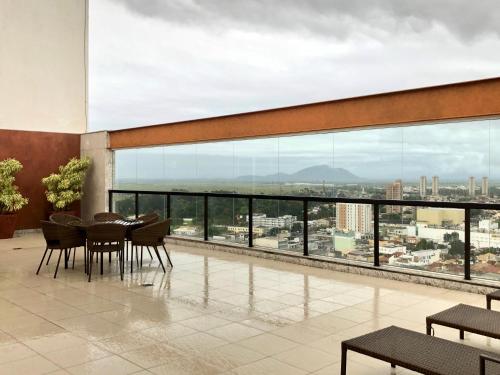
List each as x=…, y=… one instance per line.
x=493, y=296
x=421, y=353
x=467, y=318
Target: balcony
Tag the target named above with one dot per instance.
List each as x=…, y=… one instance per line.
x=214, y=312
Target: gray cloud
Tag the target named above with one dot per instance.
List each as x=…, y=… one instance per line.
x=330, y=18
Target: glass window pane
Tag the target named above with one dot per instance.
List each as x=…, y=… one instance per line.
x=427, y=239
x=278, y=224
x=124, y=204
x=306, y=165
x=153, y=203
x=256, y=166
x=227, y=220
x=187, y=216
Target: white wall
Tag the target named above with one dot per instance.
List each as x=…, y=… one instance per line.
x=43, y=65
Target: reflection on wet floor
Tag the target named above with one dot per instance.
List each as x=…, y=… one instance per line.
x=212, y=313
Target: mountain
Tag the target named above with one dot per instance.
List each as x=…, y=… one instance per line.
x=315, y=174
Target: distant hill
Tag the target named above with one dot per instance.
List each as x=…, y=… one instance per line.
x=315, y=174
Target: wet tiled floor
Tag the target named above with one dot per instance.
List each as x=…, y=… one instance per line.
x=213, y=313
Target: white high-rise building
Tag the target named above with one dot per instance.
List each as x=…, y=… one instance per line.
x=423, y=186
x=472, y=186
x=435, y=186
x=354, y=217
x=485, y=187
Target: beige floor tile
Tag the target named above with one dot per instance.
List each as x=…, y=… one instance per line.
x=199, y=341
x=213, y=312
x=185, y=365
x=105, y=366
x=54, y=342
x=204, y=322
x=91, y=327
x=306, y=358
x=234, y=332
x=152, y=355
x=76, y=355
x=15, y=352
x=33, y=365
x=268, y=344
x=6, y=339
x=125, y=342
x=268, y=366
x=25, y=333
x=229, y=356
x=300, y=333
x=168, y=332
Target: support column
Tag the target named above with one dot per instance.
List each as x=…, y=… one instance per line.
x=100, y=175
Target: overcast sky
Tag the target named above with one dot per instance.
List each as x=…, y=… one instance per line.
x=160, y=61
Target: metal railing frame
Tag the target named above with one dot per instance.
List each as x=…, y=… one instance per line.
x=376, y=203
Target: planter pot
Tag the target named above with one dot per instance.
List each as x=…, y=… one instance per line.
x=7, y=225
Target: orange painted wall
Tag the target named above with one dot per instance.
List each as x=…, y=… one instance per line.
x=454, y=101
x=41, y=153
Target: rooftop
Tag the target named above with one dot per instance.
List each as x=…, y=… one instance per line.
x=213, y=313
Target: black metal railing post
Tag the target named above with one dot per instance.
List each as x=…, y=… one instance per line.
x=376, y=233
x=136, y=205
x=250, y=222
x=110, y=200
x=305, y=226
x=467, y=245
x=169, y=201
x=376, y=204
x=205, y=217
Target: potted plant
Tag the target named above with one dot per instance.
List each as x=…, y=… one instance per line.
x=11, y=200
x=65, y=187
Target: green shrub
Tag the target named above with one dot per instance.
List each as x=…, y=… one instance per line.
x=65, y=187
x=11, y=199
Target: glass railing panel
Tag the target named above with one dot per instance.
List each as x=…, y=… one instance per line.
x=485, y=244
x=153, y=203
x=227, y=220
x=341, y=230
x=186, y=216
x=422, y=238
x=278, y=224
x=124, y=204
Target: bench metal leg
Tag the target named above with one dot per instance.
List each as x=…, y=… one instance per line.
x=428, y=328
x=461, y=334
x=488, y=303
x=343, y=363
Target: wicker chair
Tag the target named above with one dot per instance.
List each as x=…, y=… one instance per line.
x=145, y=220
x=62, y=218
x=152, y=235
x=107, y=216
x=149, y=218
x=106, y=238
x=61, y=237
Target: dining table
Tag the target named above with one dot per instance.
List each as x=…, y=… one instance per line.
x=83, y=226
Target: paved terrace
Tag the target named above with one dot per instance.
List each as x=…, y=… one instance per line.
x=214, y=313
